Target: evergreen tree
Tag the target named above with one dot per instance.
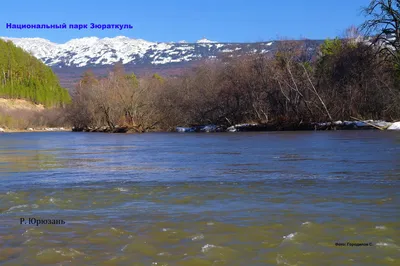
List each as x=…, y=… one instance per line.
x=22, y=76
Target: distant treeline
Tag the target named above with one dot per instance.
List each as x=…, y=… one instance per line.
x=345, y=78
x=22, y=76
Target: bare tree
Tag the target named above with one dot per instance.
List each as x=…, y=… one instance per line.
x=383, y=20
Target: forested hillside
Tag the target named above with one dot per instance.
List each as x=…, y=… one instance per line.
x=22, y=76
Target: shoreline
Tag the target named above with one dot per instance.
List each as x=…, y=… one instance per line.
x=67, y=129
x=325, y=126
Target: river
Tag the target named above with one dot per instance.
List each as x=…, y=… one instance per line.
x=274, y=198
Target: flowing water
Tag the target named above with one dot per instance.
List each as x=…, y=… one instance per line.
x=285, y=198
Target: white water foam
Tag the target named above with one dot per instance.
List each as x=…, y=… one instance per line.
x=387, y=245
x=207, y=248
x=18, y=207
x=33, y=206
x=164, y=254
x=290, y=236
x=198, y=237
x=124, y=247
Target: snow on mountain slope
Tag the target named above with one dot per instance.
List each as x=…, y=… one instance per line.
x=92, y=51
x=204, y=40
x=41, y=48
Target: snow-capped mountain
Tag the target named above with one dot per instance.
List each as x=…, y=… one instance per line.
x=71, y=59
x=92, y=51
x=204, y=40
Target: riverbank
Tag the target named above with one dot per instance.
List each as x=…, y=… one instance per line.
x=48, y=129
x=17, y=115
x=337, y=125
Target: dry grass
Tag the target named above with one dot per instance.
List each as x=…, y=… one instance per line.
x=21, y=114
x=13, y=104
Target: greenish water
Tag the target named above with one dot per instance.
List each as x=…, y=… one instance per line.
x=200, y=199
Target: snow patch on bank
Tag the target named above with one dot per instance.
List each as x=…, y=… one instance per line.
x=394, y=126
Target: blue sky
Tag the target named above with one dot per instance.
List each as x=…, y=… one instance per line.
x=175, y=20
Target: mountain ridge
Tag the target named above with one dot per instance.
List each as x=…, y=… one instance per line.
x=91, y=51
x=70, y=59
